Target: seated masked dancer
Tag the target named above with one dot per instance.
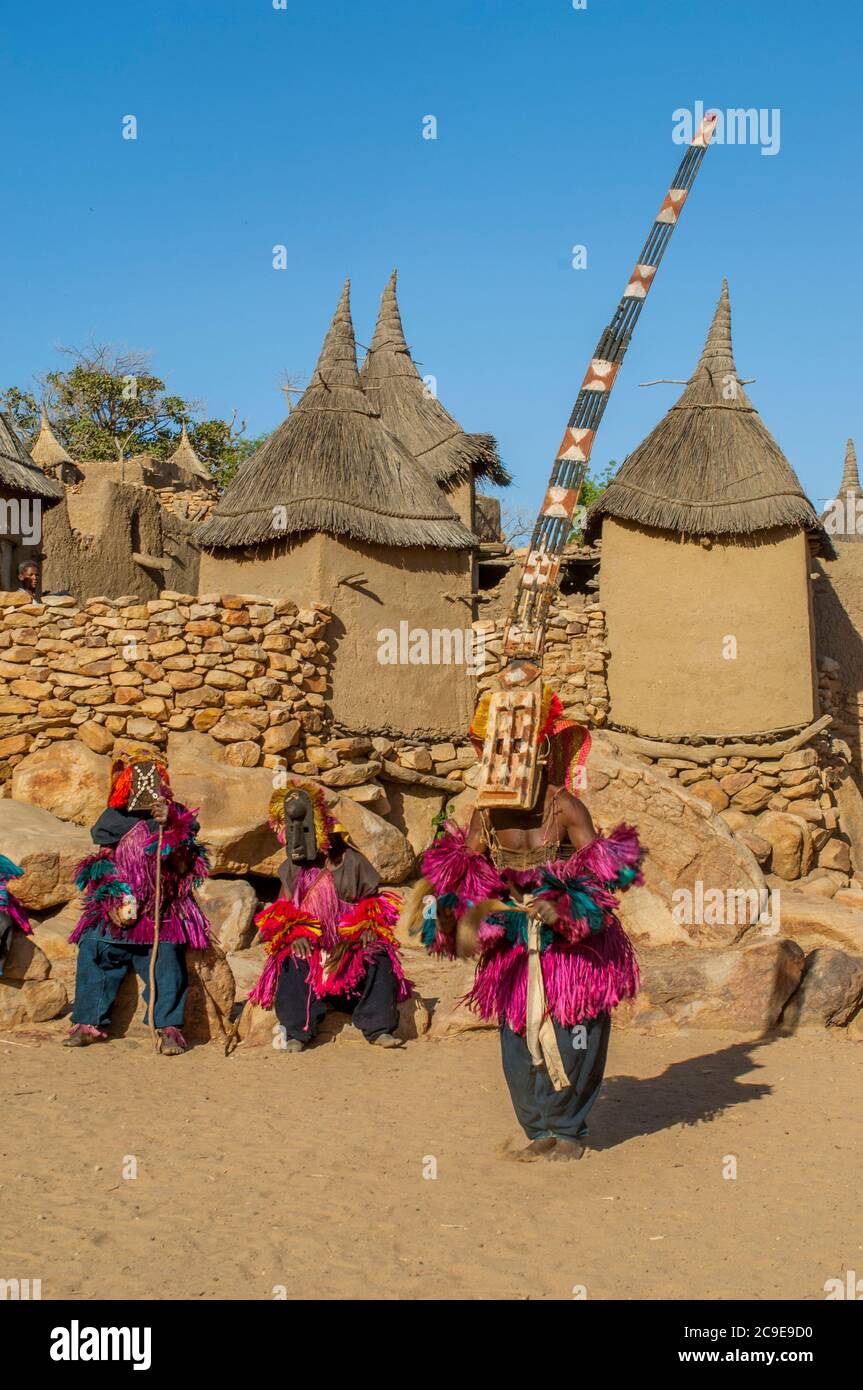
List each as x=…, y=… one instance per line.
x=12, y=915
x=116, y=928
x=330, y=935
x=534, y=890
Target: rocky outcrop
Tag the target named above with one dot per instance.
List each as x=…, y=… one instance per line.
x=743, y=990
x=814, y=922
x=232, y=805
x=28, y=993
x=830, y=993
x=382, y=843
x=230, y=905
x=690, y=849
x=47, y=849
x=68, y=779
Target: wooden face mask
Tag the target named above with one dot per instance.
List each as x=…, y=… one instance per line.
x=300, y=838
x=146, y=787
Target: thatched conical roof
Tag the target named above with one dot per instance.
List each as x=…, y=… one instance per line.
x=849, y=494
x=395, y=388
x=850, y=475
x=710, y=467
x=334, y=468
x=48, y=452
x=18, y=472
x=185, y=458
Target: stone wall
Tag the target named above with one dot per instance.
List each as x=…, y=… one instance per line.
x=576, y=656
x=251, y=673
x=190, y=503
x=255, y=674
x=796, y=810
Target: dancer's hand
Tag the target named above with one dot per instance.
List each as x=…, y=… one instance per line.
x=446, y=920
x=160, y=811
x=545, y=911
x=302, y=948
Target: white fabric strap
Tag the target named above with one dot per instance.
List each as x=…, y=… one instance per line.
x=539, y=1032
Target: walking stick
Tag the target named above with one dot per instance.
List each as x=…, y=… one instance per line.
x=157, y=913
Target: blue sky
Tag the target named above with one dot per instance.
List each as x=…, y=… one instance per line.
x=303, y=126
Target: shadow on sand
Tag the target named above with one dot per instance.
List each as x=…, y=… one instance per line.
x=686, y=1093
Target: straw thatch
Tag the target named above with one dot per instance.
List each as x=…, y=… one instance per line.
x=334, y=468
x=18, y=473
x=185, y=458
x=849, y=496
x=48, y=452
x=395, y=388
x=709, y=468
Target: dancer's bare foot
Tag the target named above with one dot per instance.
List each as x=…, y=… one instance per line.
x=171, y=1042
x=566, y=1150
x=293, y=1045
x=83, y=1034
x=536, y=1149
x=386, y=1040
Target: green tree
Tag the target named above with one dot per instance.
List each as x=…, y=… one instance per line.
x=111, y=405
x=593, y=486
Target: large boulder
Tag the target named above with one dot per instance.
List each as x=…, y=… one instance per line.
x=51, y=932
x=68, y=779
x=383, y=844
x=648, y=919
x=741, y=989
x=791, y=840
x=690, y=850
x=27, y=991
x=412, y=811
x=212, y=993
x=849, y=804
x=47, y=850
x=830, y=993
x=25, y=961
x=230, y=905
x=232, y=805
x=246, y=967
x=30, y=1001
x=815, y=921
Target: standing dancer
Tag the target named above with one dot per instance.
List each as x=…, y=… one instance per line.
x=553, y=957
x=329, y=936
x=12, y=914
x=116, y=928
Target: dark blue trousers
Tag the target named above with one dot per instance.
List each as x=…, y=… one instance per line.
x=102, y=967
x=541, y=1110
x=375, y=1011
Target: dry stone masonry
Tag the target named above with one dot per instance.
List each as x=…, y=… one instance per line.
x=251, y=673
x=575, y=660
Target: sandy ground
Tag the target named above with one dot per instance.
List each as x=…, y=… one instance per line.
x=307, y=1171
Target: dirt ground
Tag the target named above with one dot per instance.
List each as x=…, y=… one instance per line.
x=265, y=1170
